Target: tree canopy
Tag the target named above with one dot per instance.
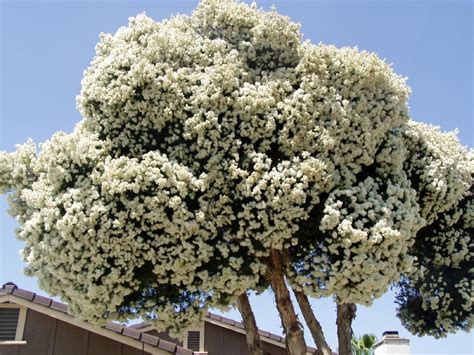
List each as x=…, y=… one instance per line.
x=209, y=141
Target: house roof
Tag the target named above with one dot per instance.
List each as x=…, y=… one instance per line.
x=137, y=332
x=10, y=292
x=232, y=324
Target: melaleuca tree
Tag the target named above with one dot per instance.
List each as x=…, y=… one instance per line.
x=436, y=298
x=218, y=153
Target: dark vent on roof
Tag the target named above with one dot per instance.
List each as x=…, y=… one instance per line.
x=8, y=323
x=193, y=340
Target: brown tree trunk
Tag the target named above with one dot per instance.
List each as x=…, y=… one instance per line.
x=253, y=338
x=345, y=315
x=312, y=323
x=295, y=343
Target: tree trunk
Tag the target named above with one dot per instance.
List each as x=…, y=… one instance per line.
x=345, y=315
x=312, y=323
x=253, y=338
x=295, y=343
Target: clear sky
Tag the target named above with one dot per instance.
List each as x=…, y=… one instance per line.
x=46, y=45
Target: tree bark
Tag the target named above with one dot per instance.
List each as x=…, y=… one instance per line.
x=312, y=323
x=345, y=315
x=295, y=343
x=253, y=338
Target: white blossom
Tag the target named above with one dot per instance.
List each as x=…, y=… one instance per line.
x=208, y=140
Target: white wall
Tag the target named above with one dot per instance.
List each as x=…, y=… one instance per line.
x=392, y=346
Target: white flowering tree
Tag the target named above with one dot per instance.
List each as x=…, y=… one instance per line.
x=218, y=153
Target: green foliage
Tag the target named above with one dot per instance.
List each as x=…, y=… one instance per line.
x=363, y=345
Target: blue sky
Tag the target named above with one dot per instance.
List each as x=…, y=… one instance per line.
x=46, y=45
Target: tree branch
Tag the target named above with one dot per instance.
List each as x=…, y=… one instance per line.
x=312, y=323
x=309, y=317
x=295, y=343
x=345, y=315
x=253, y=338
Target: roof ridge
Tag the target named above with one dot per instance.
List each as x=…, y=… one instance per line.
x=11, y=288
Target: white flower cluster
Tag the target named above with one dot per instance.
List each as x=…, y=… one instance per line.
x=438, y=296
x=369, y=233
x=16, y=174
x=439, y=168
x=207, y=141
x=368, y=229
x=16, y=168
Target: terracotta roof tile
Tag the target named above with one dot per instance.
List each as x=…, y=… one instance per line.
x=132, y=333
x=239, y=325
x=150, y=339
x=28, y=295
x=114, y=327
x=58, y=306
x=45, y=301
x=166, y=345
x=214, y=316
x=9, y=287
x=227, y=320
